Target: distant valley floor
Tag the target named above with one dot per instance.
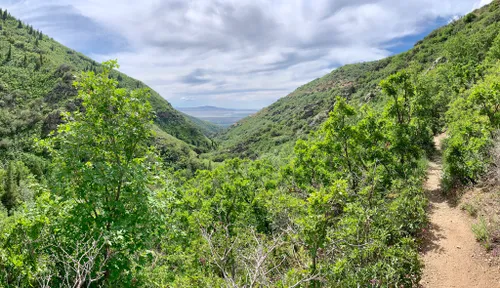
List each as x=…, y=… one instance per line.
x=221, y=116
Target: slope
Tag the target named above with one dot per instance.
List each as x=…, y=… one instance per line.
x=274, y=129
x=207, y=128
x=36, y=75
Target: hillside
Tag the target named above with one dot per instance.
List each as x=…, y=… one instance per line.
x=206, y=127
x=36, y=76
x=274, y=129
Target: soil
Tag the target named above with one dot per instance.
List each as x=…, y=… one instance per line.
x=451, y=255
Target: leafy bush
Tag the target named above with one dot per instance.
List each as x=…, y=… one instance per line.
x=471, y=121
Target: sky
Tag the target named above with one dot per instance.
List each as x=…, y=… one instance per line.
x=236, y=53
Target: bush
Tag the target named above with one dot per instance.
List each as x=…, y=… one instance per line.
x=470, y=18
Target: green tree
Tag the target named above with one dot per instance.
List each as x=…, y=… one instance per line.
x=486, y=96
x=9, y=54
x=405, y=131
x=10, y=197
x=324, y=208
x=104, y=168
x=339, y=133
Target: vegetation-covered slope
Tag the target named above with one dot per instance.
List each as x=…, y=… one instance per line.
x=208, y=128
x=36, y=76
x=278, y=126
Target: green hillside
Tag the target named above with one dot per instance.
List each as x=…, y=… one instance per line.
x=207, y=128
x=275, y=129
x=36, y=76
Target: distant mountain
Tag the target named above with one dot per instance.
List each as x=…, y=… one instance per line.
x=204, y=108
x=221, y=116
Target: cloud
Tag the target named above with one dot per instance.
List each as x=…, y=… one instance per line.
x=235, y=53
x=196, y=77
x=66, y=24
x=187, y=99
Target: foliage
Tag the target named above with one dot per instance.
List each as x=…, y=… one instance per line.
x=471, y=121
x=103, y=167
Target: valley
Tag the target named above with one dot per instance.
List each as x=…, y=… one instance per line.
x=221, y=116
x=361, y=178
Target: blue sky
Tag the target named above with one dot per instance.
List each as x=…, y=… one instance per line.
x=236, y=53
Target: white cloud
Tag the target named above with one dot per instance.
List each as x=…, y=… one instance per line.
x=245, y=53
x=482, y=3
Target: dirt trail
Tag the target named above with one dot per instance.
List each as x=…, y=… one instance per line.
x=450, y=253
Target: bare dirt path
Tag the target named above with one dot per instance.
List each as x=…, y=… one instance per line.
x=450, y=253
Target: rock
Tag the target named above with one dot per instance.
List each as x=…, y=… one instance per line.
x=369, y=96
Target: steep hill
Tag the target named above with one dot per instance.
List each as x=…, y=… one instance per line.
x=36, y=75
x=275, y=129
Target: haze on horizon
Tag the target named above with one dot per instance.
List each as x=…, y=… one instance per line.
x=236, y=54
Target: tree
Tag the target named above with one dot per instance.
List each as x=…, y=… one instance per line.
x=10, y=197
x=19, y=24
x=9, y=54
x=486, y=96
x=405, y=130
x=324, y=208
x=104, y=168
x=339, y=133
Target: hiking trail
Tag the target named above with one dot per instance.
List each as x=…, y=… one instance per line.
x=450, y=252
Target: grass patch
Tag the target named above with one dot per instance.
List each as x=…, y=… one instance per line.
x=470, y=208
x=482, y=233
